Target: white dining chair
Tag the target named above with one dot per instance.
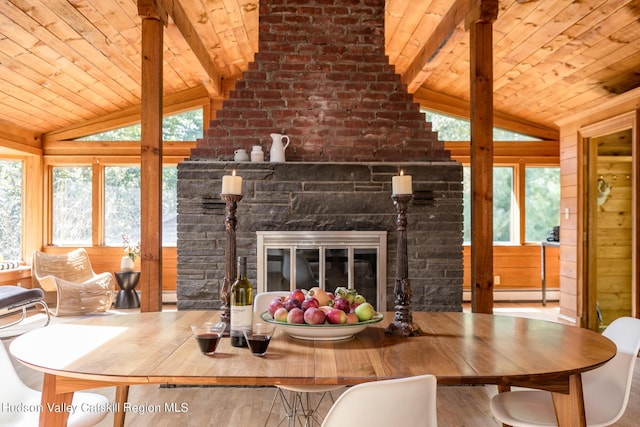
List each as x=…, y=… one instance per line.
x=301, y=404
x=407, y=401
x=91, y=408
x=606, y=389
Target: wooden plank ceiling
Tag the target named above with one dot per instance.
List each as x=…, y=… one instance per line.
x=66, y=62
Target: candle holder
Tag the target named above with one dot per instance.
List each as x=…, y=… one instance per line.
x=402, y=324
x=230, y=272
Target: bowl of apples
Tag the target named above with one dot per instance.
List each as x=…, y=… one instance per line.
x=315, y=314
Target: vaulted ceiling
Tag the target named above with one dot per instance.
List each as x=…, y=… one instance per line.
x=66, y=62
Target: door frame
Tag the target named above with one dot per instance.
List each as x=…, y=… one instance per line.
x=586, y=309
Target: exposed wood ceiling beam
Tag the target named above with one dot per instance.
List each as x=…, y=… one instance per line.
x=444, y=32
x=213, y=79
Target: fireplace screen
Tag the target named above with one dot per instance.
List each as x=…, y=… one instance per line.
x=328, y=259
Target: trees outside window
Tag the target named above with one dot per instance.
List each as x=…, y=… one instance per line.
x=503, y=204
x=121, y=204
x=542, y=202
x=71, y=219
x=11, y=211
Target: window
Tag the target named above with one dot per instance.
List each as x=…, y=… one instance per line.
x=504, y=218
x=11, y=212
x=453, y=129
x=542, y=202
x=121, y=204
x=72, y=206
x=185, y=126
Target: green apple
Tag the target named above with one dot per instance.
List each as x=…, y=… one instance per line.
x=365, y=311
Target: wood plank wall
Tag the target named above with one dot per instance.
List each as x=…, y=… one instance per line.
x=572, y=130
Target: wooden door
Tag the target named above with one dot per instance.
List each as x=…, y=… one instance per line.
x=610, y=224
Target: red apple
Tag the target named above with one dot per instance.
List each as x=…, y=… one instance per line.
x=275, y=304
x=292, y=303
x=295, y=294
x=314, y=316
x=336, y=316
x=296, y=315
x=353, y=306
x=341, y=304
x=308, y=303
x=352, y=318
x=281, y=314
x=331, y=296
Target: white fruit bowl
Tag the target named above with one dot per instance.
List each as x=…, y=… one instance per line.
x=326, y=331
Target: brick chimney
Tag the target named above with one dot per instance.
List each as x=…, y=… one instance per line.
x=321, y=77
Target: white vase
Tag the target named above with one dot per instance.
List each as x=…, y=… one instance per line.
x=126, y=264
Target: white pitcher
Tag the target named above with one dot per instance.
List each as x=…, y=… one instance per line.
x=277, y=149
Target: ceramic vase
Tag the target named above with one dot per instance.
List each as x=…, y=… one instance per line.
x=126, y=264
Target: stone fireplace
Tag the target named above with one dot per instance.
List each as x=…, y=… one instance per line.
x=321, y=77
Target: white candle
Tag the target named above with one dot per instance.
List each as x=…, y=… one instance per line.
x=232, y=184
x=402, y=184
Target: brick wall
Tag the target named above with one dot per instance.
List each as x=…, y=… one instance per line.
x=321, y=77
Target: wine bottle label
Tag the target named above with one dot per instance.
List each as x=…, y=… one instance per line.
x=241, y=315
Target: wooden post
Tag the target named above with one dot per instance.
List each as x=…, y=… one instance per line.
x=481, y=27
x=151, y=158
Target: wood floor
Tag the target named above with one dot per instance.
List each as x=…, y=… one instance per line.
x=248, y=406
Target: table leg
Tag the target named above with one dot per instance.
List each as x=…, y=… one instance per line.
x=55, y=407
x=122, y=394
x=570, y=407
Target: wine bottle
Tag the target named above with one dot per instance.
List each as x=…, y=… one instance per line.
x=241, y=305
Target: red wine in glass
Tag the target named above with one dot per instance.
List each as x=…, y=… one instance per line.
x=258, y=344
x=208, y=342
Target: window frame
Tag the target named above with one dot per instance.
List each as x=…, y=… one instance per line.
x=98, y=164
x=518, y=219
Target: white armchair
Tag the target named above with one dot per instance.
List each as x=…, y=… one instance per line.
x=78, y=288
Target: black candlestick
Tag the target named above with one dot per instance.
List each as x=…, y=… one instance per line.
x=403, y=320
x=230, y=258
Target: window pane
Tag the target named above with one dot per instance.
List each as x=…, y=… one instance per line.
x=502, y=204
x=71, y=216
x=169, y=206
x=503, y=217
x=11, y=212
x=542, y=202
x=121, y=204
x=185, y=126
x=454, y=129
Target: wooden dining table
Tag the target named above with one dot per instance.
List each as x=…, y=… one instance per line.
x=458, y=348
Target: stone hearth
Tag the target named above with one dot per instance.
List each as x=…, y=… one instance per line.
x=329, y=196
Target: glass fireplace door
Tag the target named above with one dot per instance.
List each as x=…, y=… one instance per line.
x=355, y=260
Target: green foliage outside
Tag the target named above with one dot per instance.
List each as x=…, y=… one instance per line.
x=452, y=129
x=542, y=202
x=179, y=127
x=72, y=205
x=11, y=211
x=503, y=218
x=122, y=204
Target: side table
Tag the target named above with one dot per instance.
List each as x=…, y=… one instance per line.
x=127, y=297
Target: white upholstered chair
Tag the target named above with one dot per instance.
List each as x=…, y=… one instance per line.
x=14, y=393
x=300, y=404
x=78, y=288
x=399, y=402
x=606, y=389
